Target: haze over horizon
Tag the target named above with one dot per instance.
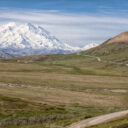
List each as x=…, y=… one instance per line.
x=76, y=22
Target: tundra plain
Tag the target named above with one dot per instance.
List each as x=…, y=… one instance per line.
x=59, y=90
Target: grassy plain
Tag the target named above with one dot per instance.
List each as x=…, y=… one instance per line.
x=58, y=90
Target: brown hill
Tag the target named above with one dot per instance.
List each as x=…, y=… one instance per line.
x=121, y=38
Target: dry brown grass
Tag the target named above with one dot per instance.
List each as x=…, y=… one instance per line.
x=58, y=96
x=64, y=80
x=60, y=88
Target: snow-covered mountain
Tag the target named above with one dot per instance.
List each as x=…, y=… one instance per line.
x=88, y=46
x=29, y=39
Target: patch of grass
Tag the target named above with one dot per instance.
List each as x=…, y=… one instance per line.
x=8, y=99
x=50, y=115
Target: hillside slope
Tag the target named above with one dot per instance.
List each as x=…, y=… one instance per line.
x=114, y=49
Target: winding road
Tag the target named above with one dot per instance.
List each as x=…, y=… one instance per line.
x=98, y=120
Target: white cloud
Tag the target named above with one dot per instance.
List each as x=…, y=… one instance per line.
x=75, y=29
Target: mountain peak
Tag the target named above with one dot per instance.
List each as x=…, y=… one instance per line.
x=29, y=24
x=11, y=24
x=28, y=39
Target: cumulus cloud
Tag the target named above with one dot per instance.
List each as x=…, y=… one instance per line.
x=72, y=28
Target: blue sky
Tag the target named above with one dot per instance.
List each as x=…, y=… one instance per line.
x=75, y=6
x=77, y=22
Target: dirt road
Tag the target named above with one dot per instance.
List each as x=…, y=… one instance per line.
x=98, y=120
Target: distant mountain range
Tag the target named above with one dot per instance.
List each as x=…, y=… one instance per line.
x=29, y=39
